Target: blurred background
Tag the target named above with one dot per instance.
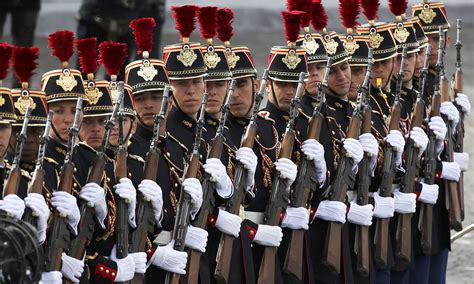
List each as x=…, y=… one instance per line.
x=258, y=25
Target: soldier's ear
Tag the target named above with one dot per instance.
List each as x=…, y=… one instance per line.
x=133, y=127
x=448, y=41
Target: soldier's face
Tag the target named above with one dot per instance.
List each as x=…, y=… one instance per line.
x=409, y=68
x=30, y=148
x=316, y=76
x=63, y=118
x=92, y=130
x=5, y=134
x=382, y=70
x=420, y=61
x=433, y=40
x=127, y=127
x=357, y=78
x=217, y=91
x=242, y=100
x=339, y=80
x=147, y=104
x=283, y=92
x=188, y=94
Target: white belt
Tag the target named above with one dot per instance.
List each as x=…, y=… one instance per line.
x=163, y=238
x=256, y=217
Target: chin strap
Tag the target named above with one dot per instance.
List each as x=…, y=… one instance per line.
x=253, y=97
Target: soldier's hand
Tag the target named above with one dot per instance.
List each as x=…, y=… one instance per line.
x=169, y=259
x=94, y=195
x=269, y=236
x=333, y=211
x=196, y=238
x=429, y=193
x=193, y=187
x=140, y=261
x=313, y=150
x=360, y=214
x=438, y=127
x=152, y=192
x=462, y=159
x=404, y=202
x=228, y=223
x=451, y=112
x=37, y=204
x=66, y=204
x=287, y=170
x=370, y=146
x=52, y=277
x=72, y=268
x=463, y=101
x=13, y=206
x=451, y=171
x=396, y=140
x=353, y=150
x=217, y=170
x=248, y=158
x=296, y=218
x=384, y=206
x=125, y=190
x=125, y=266
x=420, y=139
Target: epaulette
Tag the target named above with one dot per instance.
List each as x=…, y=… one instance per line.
x=177, y=141
x=51, y=160
x=265, y=115
x=137, y=158
x=84, y=144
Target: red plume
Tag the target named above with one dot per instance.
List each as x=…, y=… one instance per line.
x=292, y=24
x=5, y=54
x=225, y=18
x=184, y=16
x=207, y=17
x=349, y=11
x=62, y=44
x=87, y=49
x=143, y=32
x=370, y=8
x=112, y=55
x=398, y=7
x=319, y=18
x=24, y=62
x=301, y=5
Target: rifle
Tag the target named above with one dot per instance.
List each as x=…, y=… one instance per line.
x=59, y=237
x=279, y=196
x=306, y=184
x=459, y=136
x=388, y=172
x=225, y=251
x=208, y=188
x=365, y=176
x=96, y=172
x=451, y=186
x=121, y=226
x=145, y=216
x=14, y=176
x=182, y=220
x=344, y=180
x=36, y=184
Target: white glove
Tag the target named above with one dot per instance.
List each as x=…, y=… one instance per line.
x=169, y=259
x=52, y=277
x=37, y=204
x=228, y=223
x=13, y=205
x=314, y=151
x=451, y=171
x=420, y=139
x=248, y=158
x=333, y=211
x=429, y=193
x=354, y=150
x=287, y=170
x=152, y=192
x=462, y=159
x=404, y=202
x=193, y=187
x=125, y=266
x=396, y=140
x=370, y=145
x=140, y=261
x=462, y=101
x=217, y=170
x=72, y=268
x=269, y=236
x=384, y=206
x=439, y=128
x=196, y=238
x=66, y=204
x=95, y=197
x=125, y=190
x=296, y=218
x=451, y=112
x=360, y=215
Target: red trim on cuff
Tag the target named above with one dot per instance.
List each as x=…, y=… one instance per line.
x=251, y=232
x=312, y=213
x=438, y=176
x=418, y=194
x=211, y=220
x=105, y=272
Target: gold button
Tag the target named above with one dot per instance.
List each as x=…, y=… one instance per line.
x=74, y=185
x=168, y=154
x=113, y=273
x=101, y=268
x=106, y=271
